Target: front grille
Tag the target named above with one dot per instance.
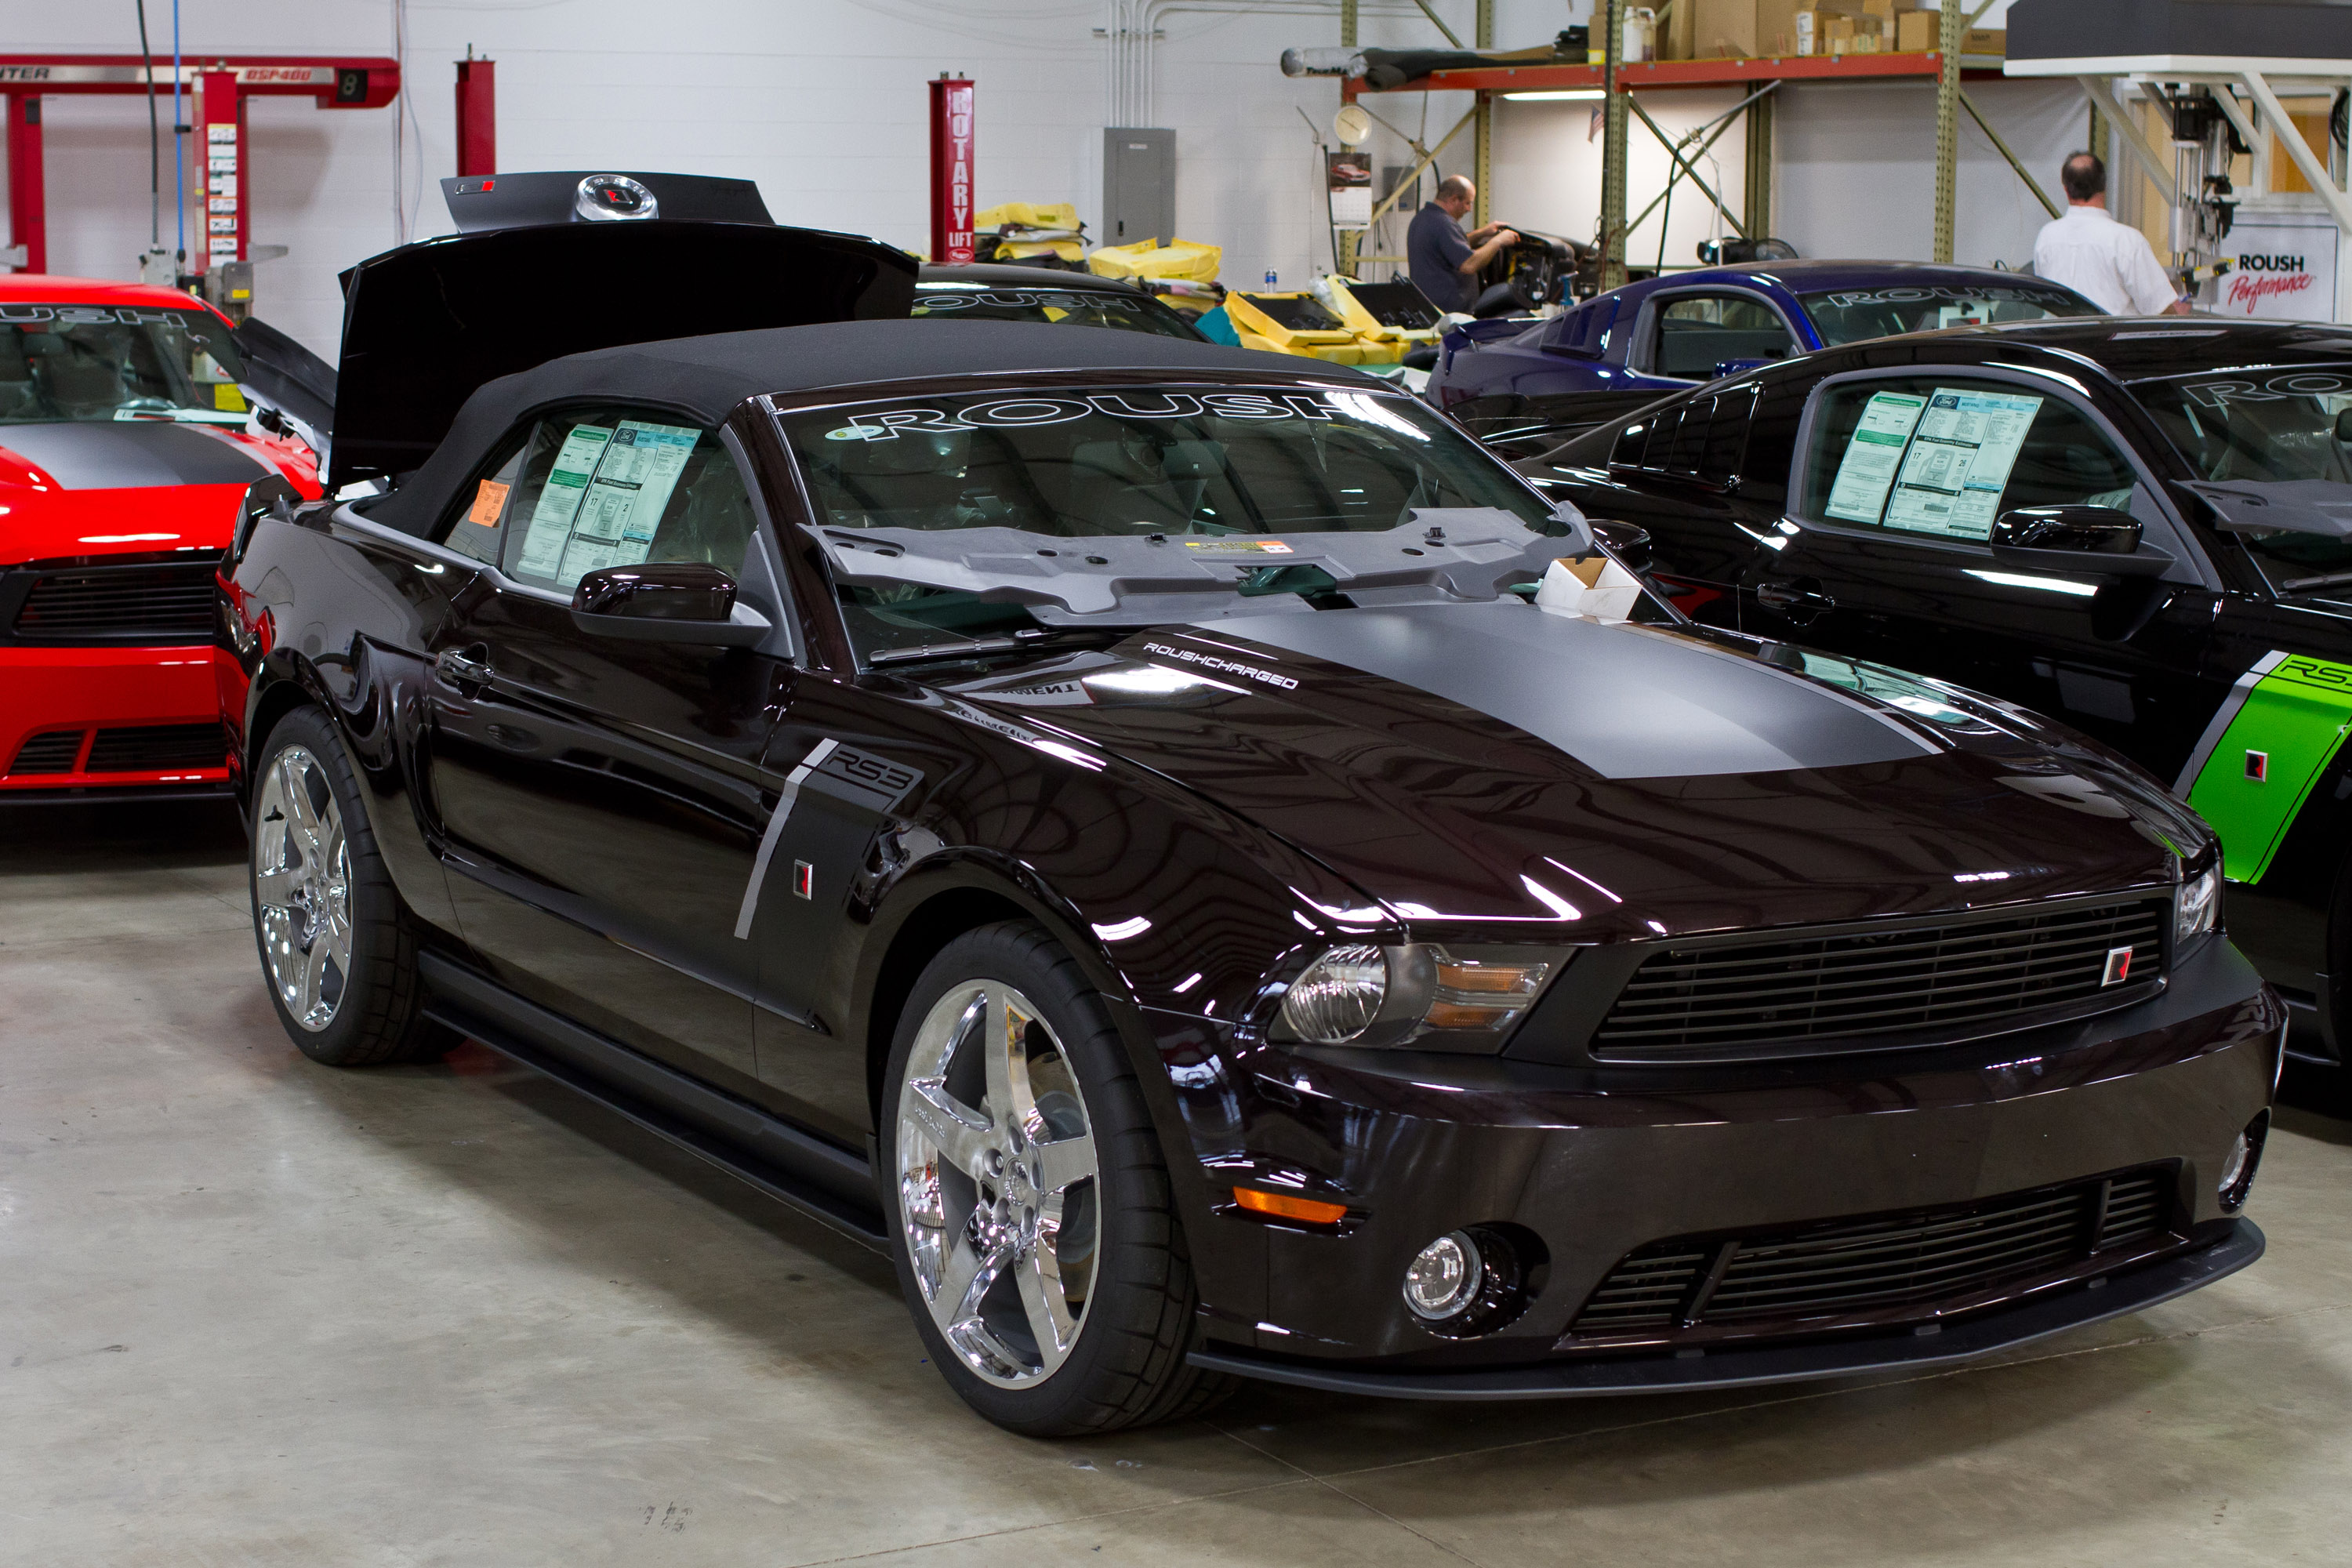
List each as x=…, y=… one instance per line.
x=168, y=604
x=155, y=748
x=1859, y=1267
x=51, y=753
x=1896, y=978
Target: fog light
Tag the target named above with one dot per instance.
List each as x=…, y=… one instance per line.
x=2238, y=1169
x=1445, y=1279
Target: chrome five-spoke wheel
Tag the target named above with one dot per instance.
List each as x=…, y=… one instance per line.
x=998, y=1183
x=302, y=888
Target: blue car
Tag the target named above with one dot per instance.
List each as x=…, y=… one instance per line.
x=1525, y=386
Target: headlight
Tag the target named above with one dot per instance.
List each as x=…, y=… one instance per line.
x=1338, y=997
x=1417, y=991
x=2197, y=905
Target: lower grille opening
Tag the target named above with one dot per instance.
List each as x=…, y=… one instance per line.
x=51, y=753
x=1875, y=1266
x=156, y=748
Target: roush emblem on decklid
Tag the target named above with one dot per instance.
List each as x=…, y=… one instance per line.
x=2118, y=967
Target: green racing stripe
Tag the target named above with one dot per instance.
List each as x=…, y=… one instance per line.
x=2260, y=757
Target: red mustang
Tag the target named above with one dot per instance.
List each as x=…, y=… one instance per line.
x=124, y=450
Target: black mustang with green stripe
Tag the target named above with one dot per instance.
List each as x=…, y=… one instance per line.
x=2142, y=528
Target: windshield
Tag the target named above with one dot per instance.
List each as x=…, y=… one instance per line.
x=1205, y=462
x=108, y=361
x=1072, y=307
x=2264, y=426
x=1850, y=315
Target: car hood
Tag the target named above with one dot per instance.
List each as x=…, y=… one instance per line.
x=1477, y=767
x=70, y=491
x=426, y=324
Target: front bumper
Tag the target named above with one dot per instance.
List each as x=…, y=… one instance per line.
x=1592, y=1166
x=2091, y=1301
x=73, y=706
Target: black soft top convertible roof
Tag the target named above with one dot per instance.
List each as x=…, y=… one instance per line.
x=706, y=378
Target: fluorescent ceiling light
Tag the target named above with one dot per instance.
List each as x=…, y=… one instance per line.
x=1570, y=95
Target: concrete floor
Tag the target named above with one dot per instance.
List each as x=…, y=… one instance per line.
x=258, y=1311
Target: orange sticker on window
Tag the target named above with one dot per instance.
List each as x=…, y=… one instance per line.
x=489, y=501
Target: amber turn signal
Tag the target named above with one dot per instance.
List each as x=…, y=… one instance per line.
x=1283, y=1207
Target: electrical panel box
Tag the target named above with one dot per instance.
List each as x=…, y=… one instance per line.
x=1139, y=186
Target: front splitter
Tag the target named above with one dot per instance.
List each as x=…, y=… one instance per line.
x=1949, y=1344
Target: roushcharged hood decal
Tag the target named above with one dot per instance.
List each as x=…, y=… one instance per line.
x=1624, y=704
x=132, y=454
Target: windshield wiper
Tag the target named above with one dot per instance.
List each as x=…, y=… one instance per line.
x=2325, y=579
x=974, y=647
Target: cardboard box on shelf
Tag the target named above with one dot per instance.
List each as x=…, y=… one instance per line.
x=1788, y=28
x=1675, y=31
x=1722, y=29
x=1917, y=31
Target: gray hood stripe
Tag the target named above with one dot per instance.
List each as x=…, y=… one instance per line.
x=1624, y=700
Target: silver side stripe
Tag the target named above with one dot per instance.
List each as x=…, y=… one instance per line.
x=791, y=792
x=2223, y=718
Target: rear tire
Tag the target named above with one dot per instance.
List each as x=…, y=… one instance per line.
x=1040, y=1252
x=338, y=946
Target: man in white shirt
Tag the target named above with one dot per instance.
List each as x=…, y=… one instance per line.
x=2099, y=259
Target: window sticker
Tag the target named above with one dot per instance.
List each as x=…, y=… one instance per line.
x=559, y=499
x=603, y=497
x=1960, y=461
x=489, y=500
x=1239, y=546
x=627, y=496
x=1866, y=472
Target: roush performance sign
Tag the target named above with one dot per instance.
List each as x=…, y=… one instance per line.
x=2282, y=267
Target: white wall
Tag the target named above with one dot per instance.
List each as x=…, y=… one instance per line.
x=1857, y=169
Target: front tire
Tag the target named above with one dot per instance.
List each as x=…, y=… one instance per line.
x=1027, y=1203
x=338, y=946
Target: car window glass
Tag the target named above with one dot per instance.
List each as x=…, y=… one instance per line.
x=1849, y=315
x=1946, y=456
x=107, y=362
x=2262, y=428
x=1192, y=465
x=605, y=487
x=1697, y=333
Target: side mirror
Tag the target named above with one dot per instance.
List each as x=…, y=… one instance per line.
x=675, y=602
x=2096, y=540
x=1628, y=544
x=2344, y=426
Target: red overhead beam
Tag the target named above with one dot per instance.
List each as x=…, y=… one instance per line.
x=337, y=82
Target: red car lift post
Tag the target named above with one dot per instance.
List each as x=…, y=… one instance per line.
x=951, y=159
x=221, y=85
x=29, y=224
x=477, y=116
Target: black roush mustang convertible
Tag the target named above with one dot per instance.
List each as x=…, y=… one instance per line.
x=1100, y=818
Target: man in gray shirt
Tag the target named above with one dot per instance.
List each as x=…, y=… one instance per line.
x=1443, y=261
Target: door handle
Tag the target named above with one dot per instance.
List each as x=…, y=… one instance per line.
x=461, y=666
x=1793, y=598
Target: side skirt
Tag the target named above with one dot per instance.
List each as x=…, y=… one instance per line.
x=827, y=1183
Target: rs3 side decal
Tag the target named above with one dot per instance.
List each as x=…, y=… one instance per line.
x=2257, y=760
